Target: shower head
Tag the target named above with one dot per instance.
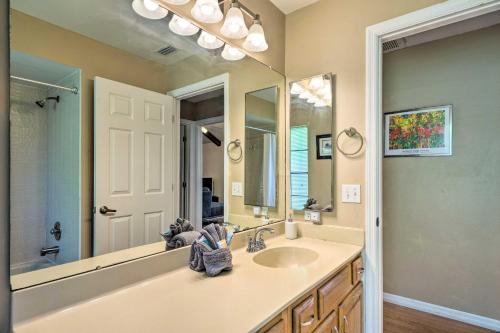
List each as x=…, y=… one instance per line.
x=41, y=103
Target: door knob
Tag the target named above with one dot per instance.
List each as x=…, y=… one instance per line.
x=105, y=210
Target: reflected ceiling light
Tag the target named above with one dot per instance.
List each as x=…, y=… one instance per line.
x=305, y=95
x=296, y=89
x=312, y=100
x=325, y=91
x=316, y=83
x=234, y=25
x=209, y=41
x=232, y=53
x=178, y=2
x=256, y=40
x=149, y=9
x=207, y=11
x=182, y=27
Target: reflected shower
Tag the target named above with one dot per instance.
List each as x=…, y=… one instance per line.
x=41, y=103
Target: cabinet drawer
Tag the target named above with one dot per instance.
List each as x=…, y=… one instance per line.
x=333, y=292
x=304, y=316
x=357, y=271
x=329, y=325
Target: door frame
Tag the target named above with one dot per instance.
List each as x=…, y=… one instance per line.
x=429, y=18
x=204, y=86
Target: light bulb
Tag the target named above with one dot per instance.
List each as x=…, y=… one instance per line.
x=207, y=11
x=234, y=26
x=204, y=130
x=232, y=53
x=305, y=95
x=256, y=40
x=151, y=5
x=178, y=2
x=296, y=89
x=182, y=27
x=209, y=41
x=149, y=9
x=316, y=83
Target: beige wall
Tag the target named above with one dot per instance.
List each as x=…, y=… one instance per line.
x=33, y=36
x=273, y=22
x=329, y=36
x=441, y=214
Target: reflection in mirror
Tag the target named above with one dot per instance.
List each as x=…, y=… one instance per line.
x=261, y=150
x=311, y=147
x=100, y=105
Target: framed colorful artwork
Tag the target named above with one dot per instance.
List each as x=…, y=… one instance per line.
x=418, y=132
x=324, y=147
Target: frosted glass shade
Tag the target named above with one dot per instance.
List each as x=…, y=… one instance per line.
x=234, y=25
x=182, y=27
x=149, y=9
x=178, y=2
x=209, y=41
x=232, y=53
x=256, y=40
x=296, y=89
x=207, y=11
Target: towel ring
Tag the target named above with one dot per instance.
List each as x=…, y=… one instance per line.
x=350, y=132
x=237, y=144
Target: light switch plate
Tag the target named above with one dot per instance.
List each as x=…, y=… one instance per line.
x=351, y=193
x=307, y=215
x=237, y=189
x=256, y=211
x=316, y=217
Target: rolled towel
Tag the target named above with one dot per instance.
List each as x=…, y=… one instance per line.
x=217, y=261
x=183, y=239
x=196, y=256
x=176, y=228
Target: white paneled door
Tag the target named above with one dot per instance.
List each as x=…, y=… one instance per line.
x=133, y=194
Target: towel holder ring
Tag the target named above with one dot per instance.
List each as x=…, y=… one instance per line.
x=351, y=132
x=237, y=144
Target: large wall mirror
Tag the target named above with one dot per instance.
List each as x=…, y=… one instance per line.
x=121, y=124
x=312, y=129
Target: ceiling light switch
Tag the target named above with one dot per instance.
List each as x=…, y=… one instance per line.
x=351, y=193
x=237, y=189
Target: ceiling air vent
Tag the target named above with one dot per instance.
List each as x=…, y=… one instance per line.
x=166, y=50
x=394, y=45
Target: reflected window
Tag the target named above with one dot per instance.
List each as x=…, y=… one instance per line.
x=299, y=166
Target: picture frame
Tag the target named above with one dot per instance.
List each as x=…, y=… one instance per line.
x=324, y=147
x=423, y=131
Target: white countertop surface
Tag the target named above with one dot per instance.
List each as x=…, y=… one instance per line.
x=186, y=301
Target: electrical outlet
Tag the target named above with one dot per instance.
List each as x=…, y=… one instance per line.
x=351, y=193
x=316, y=217
x=237, y=189
x=307, y=215
x=256, y=211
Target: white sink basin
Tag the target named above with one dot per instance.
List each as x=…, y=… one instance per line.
x=285, y=257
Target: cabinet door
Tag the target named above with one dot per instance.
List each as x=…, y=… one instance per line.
x=329, y=325
x=351, y=312
x=305, y=316
x=277, y=325
x=334, y=291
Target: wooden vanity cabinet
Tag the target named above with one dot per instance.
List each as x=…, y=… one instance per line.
x=351, y=312
x=332, y=307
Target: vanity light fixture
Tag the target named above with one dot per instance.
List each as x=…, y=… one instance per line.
x=232, y=53
x=256, y=39
x=177, y=2
x=296, y=89
x=182, y=27
x=234, y=25
x=316, y=83
x=207, y=11
x=209, y=41
x=312, y=100
x=149, y=9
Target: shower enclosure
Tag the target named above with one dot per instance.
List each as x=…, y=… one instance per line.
x=45, y=167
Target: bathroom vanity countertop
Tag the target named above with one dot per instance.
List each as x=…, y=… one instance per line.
x=186, y=301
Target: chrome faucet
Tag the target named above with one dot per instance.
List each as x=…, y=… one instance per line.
x=256, y=243
x=49, y=250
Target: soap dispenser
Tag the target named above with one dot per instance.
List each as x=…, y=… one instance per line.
x=291, y=227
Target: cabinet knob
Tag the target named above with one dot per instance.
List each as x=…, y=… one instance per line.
x=346, y=325
x=335, y=329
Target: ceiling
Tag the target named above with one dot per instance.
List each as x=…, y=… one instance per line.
x=115, y=24
x=288, y=6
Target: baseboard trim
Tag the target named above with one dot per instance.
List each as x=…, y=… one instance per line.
x=465, y=317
